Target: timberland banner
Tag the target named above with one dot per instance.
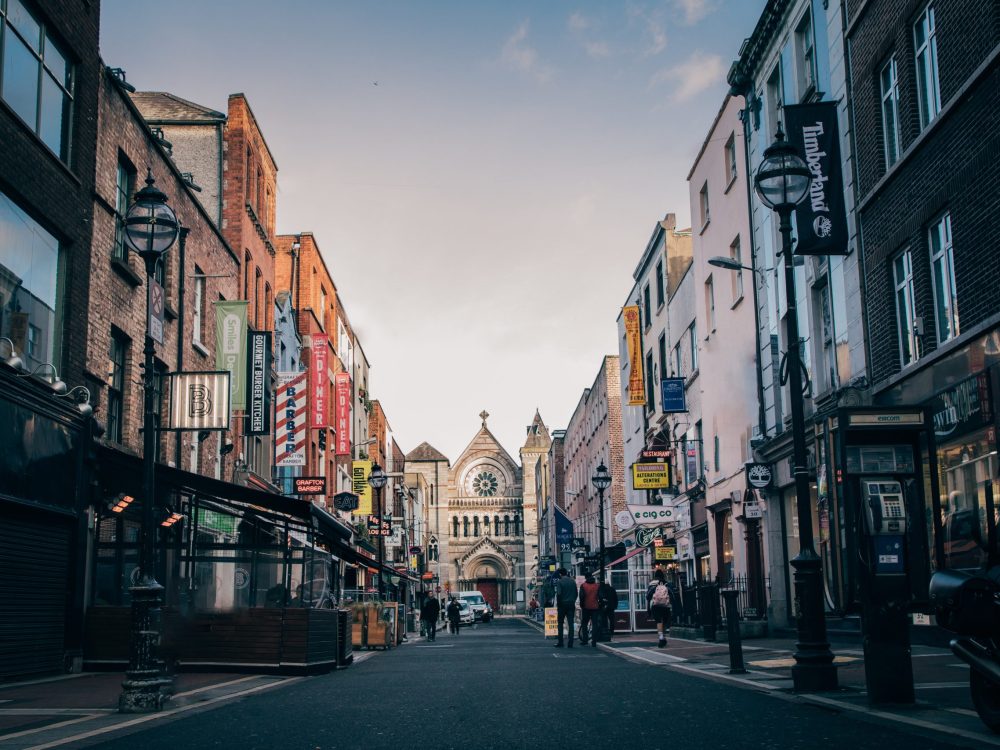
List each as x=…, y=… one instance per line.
x=636, y=384
x=231, y=348
x=820, y=219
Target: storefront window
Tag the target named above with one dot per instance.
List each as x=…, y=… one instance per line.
x=967, y=470
x=30, y=286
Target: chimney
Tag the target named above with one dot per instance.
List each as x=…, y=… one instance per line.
x=669, y=222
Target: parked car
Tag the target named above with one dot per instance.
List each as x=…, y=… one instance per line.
x=465, y=613
x=481, y=608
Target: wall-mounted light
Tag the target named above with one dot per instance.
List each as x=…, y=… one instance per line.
x=55, y=382
x=123, y=502
x=11, y=359
x=82, y=396
x=170, y=520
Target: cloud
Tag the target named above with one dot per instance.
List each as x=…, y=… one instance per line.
x=597, y=49
x=518, y=55
x=579, y=25
x=654, y=28
x=694, y=10
x=578, y=22
x=690, y=78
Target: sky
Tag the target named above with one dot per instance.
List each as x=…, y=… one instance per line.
x=481, y=177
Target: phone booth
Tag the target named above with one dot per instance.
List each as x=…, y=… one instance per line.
x=880, y=466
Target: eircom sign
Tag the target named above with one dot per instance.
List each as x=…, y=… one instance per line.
x=650, y=476
x=651, y=515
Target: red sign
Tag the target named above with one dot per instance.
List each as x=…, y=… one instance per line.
x=342, y=388
x=320, y=380
x=309, y=485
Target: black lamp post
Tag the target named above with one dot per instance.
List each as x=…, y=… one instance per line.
x=150, y=229
x=377, y=480
x=782, y=182
x=601, y=480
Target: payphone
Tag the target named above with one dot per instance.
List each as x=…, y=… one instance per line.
x=884, y=508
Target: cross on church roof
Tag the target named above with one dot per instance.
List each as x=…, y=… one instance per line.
x=483, y=415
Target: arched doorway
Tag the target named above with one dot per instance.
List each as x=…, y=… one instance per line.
x=486, y=577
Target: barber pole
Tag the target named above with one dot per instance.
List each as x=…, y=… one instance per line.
x=290, y=419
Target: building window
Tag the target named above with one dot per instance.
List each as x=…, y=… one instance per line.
x=902, y=272
x=124, y=188
x=710, y=303
x=693, y=340
x=322, y=308
x=925, y=46
x=116, y=385
x=678, y=371
x=258, y=281
x=717, y=454
x=496, y=525
x=37, y=80
x=943, y=277
x=454, y=527
x=736, y=253
x=662, y=343
x=703, y=202
x=247, y=188
x=247, y=265
x=806, y=55
x=890, y=111
x=506, y=525
x=650, y=403
x=659, y=285
x=646, y=311
x=465, y=526
x=31, y=286
x=822, y=300
x=199, y=306
x=731, y=170
x=475, y=526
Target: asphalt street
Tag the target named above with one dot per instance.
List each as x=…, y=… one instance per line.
x=502, y=685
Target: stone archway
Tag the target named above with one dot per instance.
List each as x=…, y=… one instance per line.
x=491, y=576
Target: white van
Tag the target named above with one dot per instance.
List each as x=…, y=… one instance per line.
x=480, y=607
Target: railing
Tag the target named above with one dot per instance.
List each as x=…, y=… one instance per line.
x=701, y=605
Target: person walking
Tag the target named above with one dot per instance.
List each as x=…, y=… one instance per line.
x=590, y=609
x=429, y=615
x=659, y=602
x=454, y=613
x=608, y=598
x=566, y=605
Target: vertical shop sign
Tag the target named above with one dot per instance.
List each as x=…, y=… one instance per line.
x=636, y=383
x=230, y=348
x=342, y=390
x=359, y=479
x=320, y=380
x=259, y=397
x=290, y=419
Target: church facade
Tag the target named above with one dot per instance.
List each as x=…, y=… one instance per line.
x=482, y=517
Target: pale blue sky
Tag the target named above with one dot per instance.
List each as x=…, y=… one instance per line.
x=481, y=208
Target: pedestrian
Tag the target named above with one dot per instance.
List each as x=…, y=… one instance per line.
x=659, y=602
x=566, y=605
x=590, y=608
x=608, y=598
x=532, y=606
x=454, y=613
x=429, y=615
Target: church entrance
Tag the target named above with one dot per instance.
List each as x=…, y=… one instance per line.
x=490, y=590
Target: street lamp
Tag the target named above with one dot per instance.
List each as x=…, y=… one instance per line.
x=782, y=182
x=151, y=227
x=377, y=479
x=601, y=480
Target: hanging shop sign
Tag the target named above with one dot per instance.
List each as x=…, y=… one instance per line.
x=259, y=396
x=359, y=483
x=645, y=536
x=319, y=383
x=156, y=310
x=655, y=454
x=290, y=419
x=577, y=542
x=309, y=485
x=376, y=529
x=624, y=520
x=672, y=395
x=650, y=515
x=564, y=530
x=345, y=501
x=198, y=401
x=636, y=384
x=342, y=403
x=230, y=348
x=820, y=219
x=650, y=476
x=665, y=552
x=759, y=476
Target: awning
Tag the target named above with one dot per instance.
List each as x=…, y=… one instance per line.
x=328, y=524
x=631, y=554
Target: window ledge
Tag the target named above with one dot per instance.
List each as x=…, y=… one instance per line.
x=704, y=226
x=124, y=270
x=732, y=181
x=691, y=379
x=736, y=302
x=169, y=312
x=199, y=347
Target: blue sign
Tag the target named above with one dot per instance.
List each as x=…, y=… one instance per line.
x=672, y=395
x=564, y=530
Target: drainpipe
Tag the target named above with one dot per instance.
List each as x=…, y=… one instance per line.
x=182, y=246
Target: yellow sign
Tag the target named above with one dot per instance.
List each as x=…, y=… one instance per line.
x=551, y=621
x=650, y=476
x=359, y=479
x=636, y=384
x=665, y=552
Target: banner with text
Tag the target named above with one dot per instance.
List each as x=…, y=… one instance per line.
x=564, y=530
x=230, y=348
x=359, y=482
x=342, y=390
x=320, y=384
x=290, y=419
x=259, y=395
x=636, y=384
x=820, y=219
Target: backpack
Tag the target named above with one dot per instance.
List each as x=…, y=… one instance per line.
x=661, y=595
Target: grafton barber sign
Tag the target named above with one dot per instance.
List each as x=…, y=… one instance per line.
x=820, y=219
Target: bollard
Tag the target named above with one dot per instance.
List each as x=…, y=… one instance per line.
x=733, y=621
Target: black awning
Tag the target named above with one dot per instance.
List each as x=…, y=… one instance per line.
x=328, y=524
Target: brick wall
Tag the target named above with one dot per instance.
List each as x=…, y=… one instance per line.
x=949, y=166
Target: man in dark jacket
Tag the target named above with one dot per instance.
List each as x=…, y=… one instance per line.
x=609, y=605
x=429, y=614
x=566, y=605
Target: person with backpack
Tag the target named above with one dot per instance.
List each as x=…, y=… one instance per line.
x=659, y=603
x=608, y=598
x=590, y=608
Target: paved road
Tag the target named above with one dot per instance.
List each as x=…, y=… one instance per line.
x=503, y=686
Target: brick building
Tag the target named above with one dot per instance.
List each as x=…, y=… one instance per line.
x=48, y=132
x=926, y=110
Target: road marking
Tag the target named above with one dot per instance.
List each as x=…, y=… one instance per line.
x=54, y=711
x=216, y=685
x=57, y=725
x=443, y=645
x=963, y=712
x=648, y=656
x=731, y=678
x=940, y=685
x=162, y=714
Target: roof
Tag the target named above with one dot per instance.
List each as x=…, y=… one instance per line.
x=425, y=452
x=161, y=106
